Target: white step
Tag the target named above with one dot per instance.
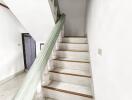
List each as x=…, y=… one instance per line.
x=74, y=40
x=73, y=71
x=49, y=99
x=74, y=59
x=66, y=91
x=73, y=47
x=71, y=54
x=71, y=76
x=67, y=64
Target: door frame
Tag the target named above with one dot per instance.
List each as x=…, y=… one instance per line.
x=24, y=52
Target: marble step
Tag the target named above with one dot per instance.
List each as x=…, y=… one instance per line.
x=73, y=47
x=73, y=55
x=77, y=64
x=74, y=40
x=67, y=91
x=71, y=76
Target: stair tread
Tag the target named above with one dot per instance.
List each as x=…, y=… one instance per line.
x=74, y=37
x=49, y=98
x=70, y=88
x=73, y=47
x=73, y=59
x=71, y=65
x=72, y=50
x=72, y=72
x=79, y=56
x=73, y=43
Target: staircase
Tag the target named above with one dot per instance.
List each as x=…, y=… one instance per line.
x=71, y=76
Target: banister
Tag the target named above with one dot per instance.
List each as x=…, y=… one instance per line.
x=33, y=77
x=54, y=5
x=3, y=5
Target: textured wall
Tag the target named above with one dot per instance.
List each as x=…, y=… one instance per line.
x=110, y=29
x=11, y=55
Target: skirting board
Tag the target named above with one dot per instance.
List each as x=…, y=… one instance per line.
x=11, y=77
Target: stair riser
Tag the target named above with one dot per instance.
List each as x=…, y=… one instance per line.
x=73, y=47
x=63, y=96
x=67, y=54
x=71, y=65
x=74, y=40
x=71, y=79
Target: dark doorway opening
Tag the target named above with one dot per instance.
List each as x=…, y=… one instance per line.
x=29, y=50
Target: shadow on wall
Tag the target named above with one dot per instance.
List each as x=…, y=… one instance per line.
x=11, y=58
x=88, y=9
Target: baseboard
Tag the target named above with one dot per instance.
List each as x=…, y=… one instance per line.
x=11, y=77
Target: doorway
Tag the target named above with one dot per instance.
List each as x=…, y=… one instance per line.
x=29, y=50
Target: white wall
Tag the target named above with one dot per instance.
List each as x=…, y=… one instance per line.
x=11, y=55
x=2, y=2
x=110, y=29
x=35, y=15
x=75, y=11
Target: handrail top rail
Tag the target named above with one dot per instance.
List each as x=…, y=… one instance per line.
x=26, y=92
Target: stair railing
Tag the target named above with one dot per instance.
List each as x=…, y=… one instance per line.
x=33, y=77
x=54, y=5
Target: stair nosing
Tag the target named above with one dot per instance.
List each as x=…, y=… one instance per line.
x=72, y=61
x=70, y=74
x=74, y=37
x=72, y=43
x=48, y=98
x=71, y=50
x=69, y=92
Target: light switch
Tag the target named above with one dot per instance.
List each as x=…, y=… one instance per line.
x=19, y=44
x=100, y=52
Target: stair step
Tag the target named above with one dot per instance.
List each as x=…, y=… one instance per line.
x=74, y=40
x=72, y=55
x=72, y=72
x=48, y=98
x=68, y=76
x=73, y=47
x=66, y=91
x=68, y=64
x=79, y=60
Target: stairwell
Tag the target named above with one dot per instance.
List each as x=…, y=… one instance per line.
x=71, y=77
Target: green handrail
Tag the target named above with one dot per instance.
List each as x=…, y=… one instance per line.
x=28, y=89
x=54, y=5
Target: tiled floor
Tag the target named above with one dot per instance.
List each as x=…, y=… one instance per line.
x=9, y=89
